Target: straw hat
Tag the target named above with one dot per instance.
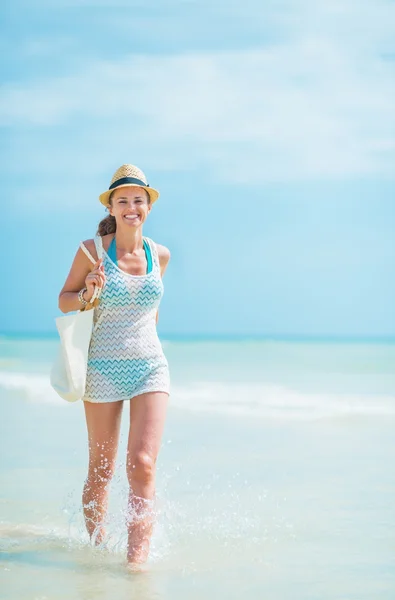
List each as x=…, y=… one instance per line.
x=126, y=176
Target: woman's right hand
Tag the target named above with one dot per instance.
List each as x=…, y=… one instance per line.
x=95, y=278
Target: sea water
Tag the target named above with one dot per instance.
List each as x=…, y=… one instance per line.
x=275, y=478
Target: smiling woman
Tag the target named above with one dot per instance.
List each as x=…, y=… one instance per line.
x=128, y=189
x=126, y=359
x=120, y=198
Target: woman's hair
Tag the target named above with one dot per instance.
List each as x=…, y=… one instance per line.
x=108, y=224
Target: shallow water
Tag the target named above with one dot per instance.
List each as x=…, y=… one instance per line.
x=286, y=491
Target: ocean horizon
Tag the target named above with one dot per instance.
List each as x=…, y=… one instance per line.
x=237, y=337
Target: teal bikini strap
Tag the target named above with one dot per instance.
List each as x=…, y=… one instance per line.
x=148, y=255
x=112, y=253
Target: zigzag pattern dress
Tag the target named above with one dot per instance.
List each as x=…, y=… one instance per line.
x=126, y=358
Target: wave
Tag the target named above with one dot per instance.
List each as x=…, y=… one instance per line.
x=278, y=402
x=263, y=400
x=32, y=387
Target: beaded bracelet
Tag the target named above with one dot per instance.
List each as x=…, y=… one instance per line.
x=81, y=297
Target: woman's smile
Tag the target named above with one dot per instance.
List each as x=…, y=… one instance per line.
x=131, y=217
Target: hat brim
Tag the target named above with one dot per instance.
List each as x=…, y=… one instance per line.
x=153, y=194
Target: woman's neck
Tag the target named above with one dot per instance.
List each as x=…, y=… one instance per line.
x=129, y=241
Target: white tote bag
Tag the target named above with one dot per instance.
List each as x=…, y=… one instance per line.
x=68, y=373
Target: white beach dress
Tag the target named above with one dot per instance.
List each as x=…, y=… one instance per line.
x=126, y=358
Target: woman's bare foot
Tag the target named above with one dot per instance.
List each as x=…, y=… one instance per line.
x=140, y=527
x=138, y=549
x=136, y=567
x=99, y=536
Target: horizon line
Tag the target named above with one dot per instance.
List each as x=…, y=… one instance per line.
x=229, y=337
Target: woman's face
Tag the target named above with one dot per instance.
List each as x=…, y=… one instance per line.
x=130, y=206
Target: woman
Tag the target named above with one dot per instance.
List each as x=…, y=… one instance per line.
x=126, y=360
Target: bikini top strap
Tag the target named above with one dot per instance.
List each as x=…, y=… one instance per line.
x=154, y=253
x=148, y=255
x=112, y=251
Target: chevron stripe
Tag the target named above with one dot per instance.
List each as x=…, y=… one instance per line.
x=125, y=355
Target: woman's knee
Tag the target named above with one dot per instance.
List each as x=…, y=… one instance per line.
x=140, y=467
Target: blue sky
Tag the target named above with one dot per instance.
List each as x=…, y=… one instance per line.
x=268, y=127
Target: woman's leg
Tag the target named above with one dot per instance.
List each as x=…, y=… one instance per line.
x=103, y=422
x=147, y=419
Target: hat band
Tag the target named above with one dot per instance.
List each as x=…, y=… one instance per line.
x=124, y=180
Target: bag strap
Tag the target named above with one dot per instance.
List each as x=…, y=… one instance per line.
x=99, y=246
x=86, y=252
x=99, y=250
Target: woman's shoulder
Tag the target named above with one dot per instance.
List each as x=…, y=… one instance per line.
x=163, y=255
x=163, y=252
x=91, y=246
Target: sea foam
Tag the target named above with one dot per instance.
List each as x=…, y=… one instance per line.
x=260, y=400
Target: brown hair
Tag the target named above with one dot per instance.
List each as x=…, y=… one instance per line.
x=109, y=224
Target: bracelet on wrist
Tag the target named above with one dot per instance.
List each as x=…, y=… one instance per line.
x=81, y=297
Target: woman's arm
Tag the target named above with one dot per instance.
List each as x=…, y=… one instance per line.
x=164, y=258
x=82, y=274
